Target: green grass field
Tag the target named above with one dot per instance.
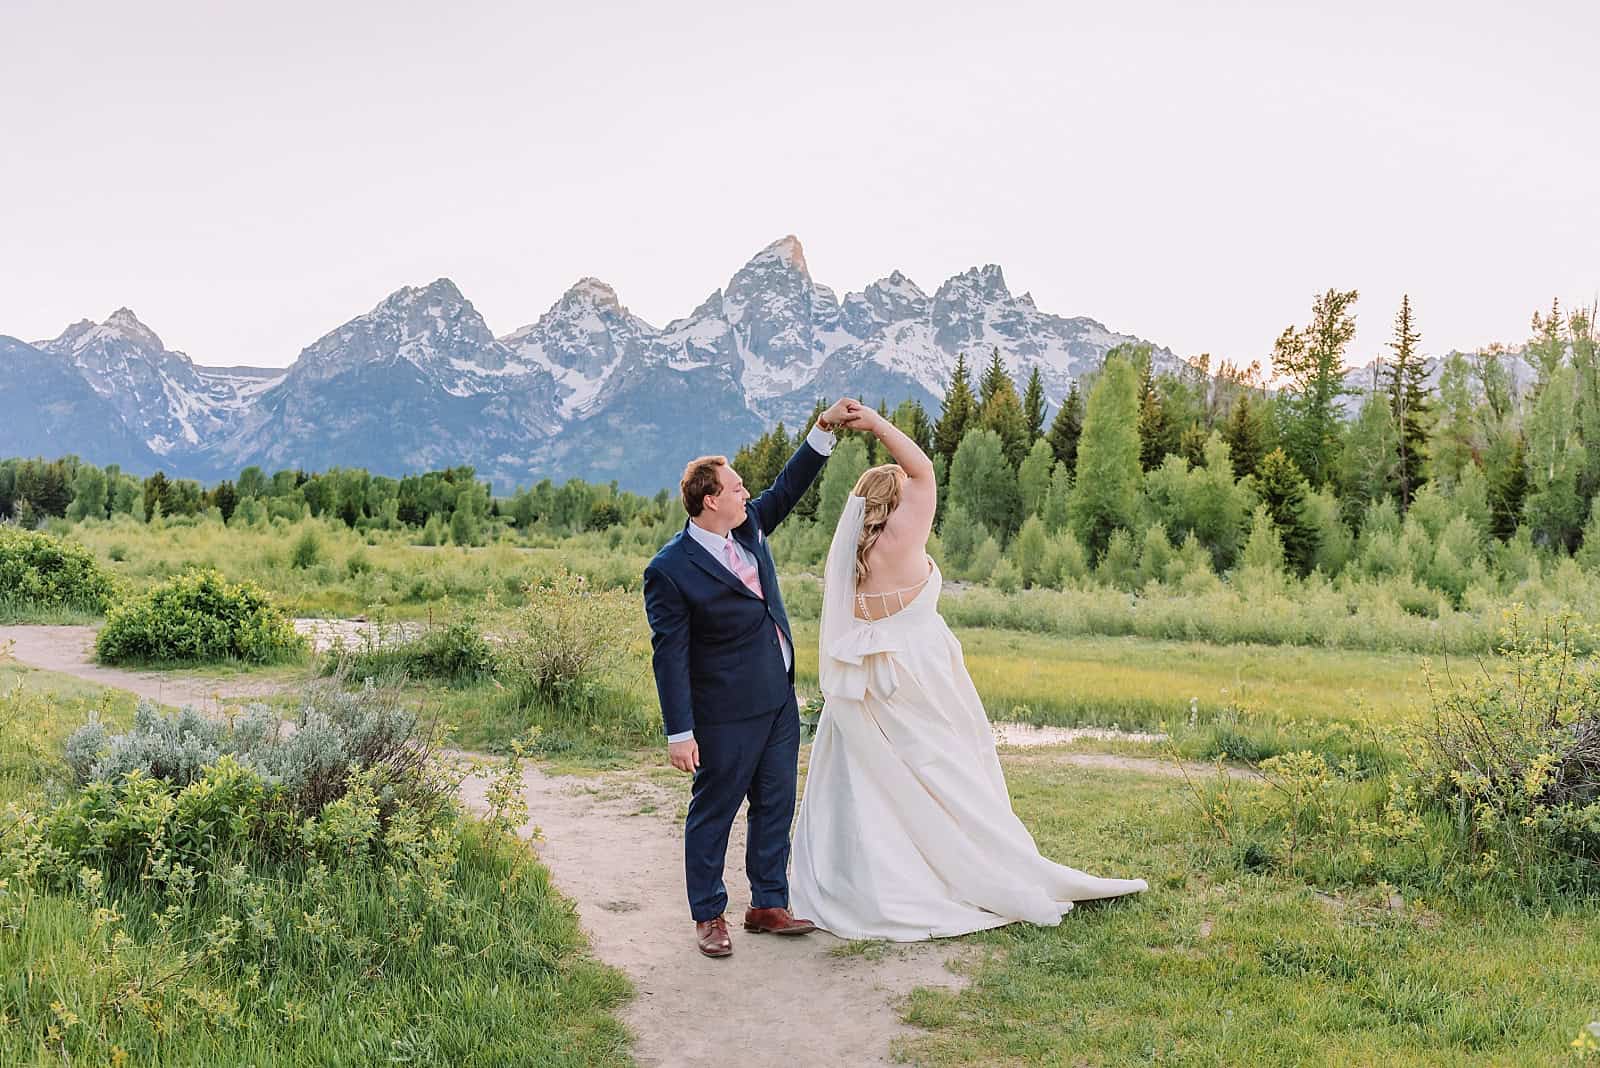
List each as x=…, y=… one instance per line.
x=1216, y=966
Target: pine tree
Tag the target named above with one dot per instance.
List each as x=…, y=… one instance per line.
x=912, y=419
x=1154, y=432
x=1409, y=404
x=1283, y=491
x=1067, y=429
x=958, y=413
x=1033, y=404
x=993, y=377
x=1003, y=414
x=225, y=498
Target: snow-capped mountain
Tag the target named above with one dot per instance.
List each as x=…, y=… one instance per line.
x=417, y=383
x=588, y=389
x=159, y=394
x=48, y=409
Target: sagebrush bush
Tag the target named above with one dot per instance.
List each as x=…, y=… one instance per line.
x=305, y=762
x=43, y=571
x=199, y=617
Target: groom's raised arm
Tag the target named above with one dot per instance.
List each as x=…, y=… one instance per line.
x=664, y=606
x=775, y=504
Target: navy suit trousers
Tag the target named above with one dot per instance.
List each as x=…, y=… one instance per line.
x=756, y=758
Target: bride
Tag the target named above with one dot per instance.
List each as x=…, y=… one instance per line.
x=906, y=831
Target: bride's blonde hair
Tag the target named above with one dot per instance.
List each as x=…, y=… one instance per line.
x=880, y=488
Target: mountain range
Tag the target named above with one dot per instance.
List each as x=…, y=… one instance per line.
x=587, y=390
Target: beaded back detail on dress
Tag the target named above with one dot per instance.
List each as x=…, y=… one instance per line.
x=875, y=607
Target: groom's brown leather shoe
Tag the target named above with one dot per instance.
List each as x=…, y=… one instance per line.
x=776, y=921
x=713, y=937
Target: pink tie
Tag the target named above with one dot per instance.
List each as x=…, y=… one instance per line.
x=747, y=574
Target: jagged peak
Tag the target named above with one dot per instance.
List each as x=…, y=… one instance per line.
x=121, y=325
x=441, y=289
x=127, y=325
x=786, y=250
x=987, y=283
x=899, y=283
x=593, y=291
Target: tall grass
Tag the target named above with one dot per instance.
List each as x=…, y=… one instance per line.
x=449, y=946
x=352, y=571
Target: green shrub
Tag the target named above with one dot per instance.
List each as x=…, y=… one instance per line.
x=565, y=641
x=1119, y=566
x=42, y=571
x=307, y=550
x=1006, y=579
x=985, y=560
x=455, y=652
x=1493, y=793
x=198, y=617
x=1514, y=756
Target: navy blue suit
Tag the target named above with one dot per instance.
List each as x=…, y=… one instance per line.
x=720, y=673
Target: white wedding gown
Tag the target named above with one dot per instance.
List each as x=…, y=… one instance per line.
x=906, y=831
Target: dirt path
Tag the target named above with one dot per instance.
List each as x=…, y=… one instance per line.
x=70, y=651
x=613, y=843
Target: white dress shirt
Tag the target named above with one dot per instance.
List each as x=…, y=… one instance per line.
x=716, y=544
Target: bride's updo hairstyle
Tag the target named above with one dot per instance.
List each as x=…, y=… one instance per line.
x=880, y=488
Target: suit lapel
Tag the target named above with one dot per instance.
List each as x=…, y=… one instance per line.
x=712, y=566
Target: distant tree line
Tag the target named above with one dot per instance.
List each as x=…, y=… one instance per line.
x=448, y=505
x=1140, y=463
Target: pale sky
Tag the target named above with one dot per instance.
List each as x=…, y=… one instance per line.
x=248, y=177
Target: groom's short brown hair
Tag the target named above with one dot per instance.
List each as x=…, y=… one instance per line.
x=700, y=479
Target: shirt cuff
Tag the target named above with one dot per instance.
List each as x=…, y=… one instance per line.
x=681, y=736
x=821, y=440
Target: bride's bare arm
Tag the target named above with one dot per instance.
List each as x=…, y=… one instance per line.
x=912, y=522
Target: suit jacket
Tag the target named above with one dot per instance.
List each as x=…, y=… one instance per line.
x=716, y=653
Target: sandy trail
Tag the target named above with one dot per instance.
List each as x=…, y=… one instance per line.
x=613, y=843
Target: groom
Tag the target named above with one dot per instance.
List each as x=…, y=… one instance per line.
x=724, y=667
